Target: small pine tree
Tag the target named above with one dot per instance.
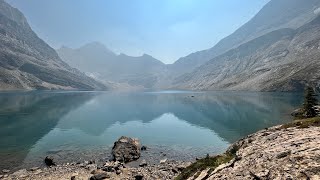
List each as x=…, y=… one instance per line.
x=310, y=100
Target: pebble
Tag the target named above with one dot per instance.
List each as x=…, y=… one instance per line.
x=34, y=168
x=5, y=170
x=143, y=163
x=163, y=161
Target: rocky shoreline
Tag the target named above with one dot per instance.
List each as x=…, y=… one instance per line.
x=92, y=171
x=288, y=151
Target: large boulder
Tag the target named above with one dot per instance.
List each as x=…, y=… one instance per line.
x=126, y=149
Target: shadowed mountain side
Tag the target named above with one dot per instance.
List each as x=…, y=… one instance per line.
x=31, y=116
x=230, y=116
x=283, y=60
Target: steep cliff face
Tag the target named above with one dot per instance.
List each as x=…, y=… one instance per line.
x=27, y=62
x=282, y=60
x=275, y=15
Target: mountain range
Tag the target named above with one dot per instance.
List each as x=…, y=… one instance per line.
x=27, y=62
x=101, y=63
x=277, y=50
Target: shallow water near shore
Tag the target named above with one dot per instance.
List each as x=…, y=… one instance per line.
x=179, y=125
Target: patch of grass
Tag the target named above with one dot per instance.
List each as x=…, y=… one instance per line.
x=303, y=123
x=202, y=164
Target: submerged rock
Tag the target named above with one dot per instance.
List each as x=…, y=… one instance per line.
x=126, y=149
x=143, y=148
x=49, y=161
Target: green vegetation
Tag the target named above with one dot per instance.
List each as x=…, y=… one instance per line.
x=303, y=123
x=205, y=163
x=310, y=102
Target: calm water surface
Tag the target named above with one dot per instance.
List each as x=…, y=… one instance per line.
x=74, y=126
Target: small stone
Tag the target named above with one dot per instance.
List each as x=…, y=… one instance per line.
x=37, y=171
x=91, y=167
x=143, y=148
x=73, y=177
x=283, y=154
x=92, y=162
x=5, y=170
x=143, y=163
x=163, y=161
x=100, y=176
x=34, y=168
x=96, y=171
x=49, y=161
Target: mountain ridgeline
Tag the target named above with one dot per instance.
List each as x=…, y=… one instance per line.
x=277, y=50
x=284, y=57
x=101, y=63
x=27, y=62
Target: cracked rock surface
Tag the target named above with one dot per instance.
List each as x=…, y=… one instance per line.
x=276, y=153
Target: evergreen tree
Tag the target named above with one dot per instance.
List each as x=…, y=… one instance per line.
x=310, y=100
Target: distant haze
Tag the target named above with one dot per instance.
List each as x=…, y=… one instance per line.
x=165, y=29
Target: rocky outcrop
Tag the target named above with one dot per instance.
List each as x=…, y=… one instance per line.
x=275, y=153
x=126, y=149
x=27, y=62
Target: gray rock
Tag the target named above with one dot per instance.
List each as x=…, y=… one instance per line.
x=283, y=154
x=126, y=149
x=34, y=168
x=5, y=170
x=163, y=161
x=143, y=163
x=100, y=176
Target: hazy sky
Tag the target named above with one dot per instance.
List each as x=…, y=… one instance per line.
x=165, y=29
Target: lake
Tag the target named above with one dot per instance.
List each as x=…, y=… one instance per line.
x=180, y=125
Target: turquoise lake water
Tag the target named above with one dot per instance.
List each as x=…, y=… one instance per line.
x=181, y=125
